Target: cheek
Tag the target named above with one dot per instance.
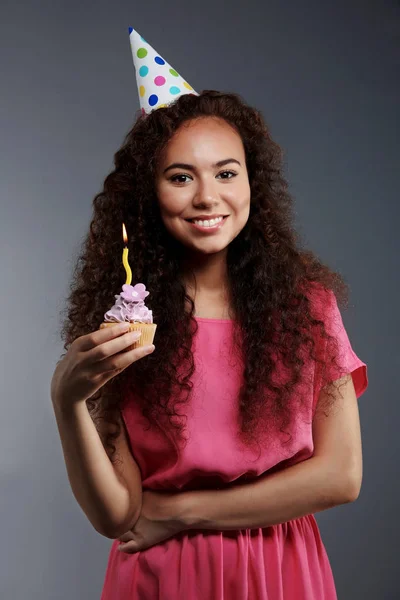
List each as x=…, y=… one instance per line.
x=240, y=200
x=172, y=203
x=241, y=206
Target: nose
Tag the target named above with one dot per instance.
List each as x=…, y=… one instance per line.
x=206, y=194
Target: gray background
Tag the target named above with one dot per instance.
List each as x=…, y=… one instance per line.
x=324, y=75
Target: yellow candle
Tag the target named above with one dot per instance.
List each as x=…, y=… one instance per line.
x=126, y=265
x=125, y=257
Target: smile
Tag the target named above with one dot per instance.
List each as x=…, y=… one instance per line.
x=208, y=226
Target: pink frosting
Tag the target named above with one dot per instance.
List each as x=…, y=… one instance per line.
x=129, y=306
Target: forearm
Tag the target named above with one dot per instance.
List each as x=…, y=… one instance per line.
x=305, y=488
x=95, y=482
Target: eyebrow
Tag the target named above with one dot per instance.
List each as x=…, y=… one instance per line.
x=188, y=167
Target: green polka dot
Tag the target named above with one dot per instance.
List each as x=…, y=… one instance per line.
x=174, y=73
x=141, y=53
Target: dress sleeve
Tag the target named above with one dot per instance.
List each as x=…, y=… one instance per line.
x=347, y=359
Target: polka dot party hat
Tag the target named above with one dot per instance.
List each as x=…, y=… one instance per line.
x=158, y=83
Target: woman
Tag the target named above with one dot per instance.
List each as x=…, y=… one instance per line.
x=209, y=456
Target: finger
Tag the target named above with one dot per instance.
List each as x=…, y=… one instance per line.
x=91, y=340
x=118, y=362
x=129, y=547
x=111, y=347
x=127, y=537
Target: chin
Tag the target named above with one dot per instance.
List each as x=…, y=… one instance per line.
x=209, y=250
x=212, y=251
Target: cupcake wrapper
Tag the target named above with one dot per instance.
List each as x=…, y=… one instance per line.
x=148, y=332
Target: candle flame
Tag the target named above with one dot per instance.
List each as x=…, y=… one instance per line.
x=124, y=234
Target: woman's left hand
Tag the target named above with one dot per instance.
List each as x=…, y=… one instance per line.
x=158, y=521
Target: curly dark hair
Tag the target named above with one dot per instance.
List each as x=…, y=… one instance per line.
x=274, y=321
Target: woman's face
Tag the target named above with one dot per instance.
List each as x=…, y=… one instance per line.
x=203, y=173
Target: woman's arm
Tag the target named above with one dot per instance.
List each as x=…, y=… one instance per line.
x=306, y=488
x=332, y=476
x=110, y=495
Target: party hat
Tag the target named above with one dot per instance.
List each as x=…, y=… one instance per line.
x=158, y=83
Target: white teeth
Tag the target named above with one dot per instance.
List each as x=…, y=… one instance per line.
x=210, y=223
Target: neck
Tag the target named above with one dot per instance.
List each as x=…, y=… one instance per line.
x=206, y=273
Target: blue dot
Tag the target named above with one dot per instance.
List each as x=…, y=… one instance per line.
x=159, y=60
x=143, y=71
x=174, y=90
x=130, y=29
x=153, y=100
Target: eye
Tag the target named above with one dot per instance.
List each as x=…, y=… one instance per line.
x=229, y=173
x=175, y=178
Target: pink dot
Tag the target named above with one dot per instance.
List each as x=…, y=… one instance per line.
x=160, y=80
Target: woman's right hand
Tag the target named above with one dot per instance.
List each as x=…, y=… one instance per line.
x=91, y=361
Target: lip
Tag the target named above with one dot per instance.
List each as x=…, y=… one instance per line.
x=208, y=229
x=206, y=217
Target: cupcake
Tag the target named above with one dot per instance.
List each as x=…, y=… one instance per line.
x=130, y=307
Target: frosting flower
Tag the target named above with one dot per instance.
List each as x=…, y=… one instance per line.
x=134, y=293
x=129, y=306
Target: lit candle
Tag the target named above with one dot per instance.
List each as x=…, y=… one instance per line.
x=125, y=257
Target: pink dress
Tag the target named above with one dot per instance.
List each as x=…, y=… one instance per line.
x=282, y=562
